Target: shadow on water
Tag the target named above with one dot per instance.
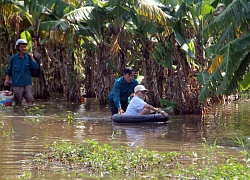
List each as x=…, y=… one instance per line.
x=24, y=133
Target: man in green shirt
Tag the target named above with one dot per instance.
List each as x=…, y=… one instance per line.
x=122, y=89
x=19, y=70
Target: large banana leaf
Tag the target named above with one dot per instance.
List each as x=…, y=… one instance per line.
x=152, y=12
x=233, y=68
x=180, y=38
x=211, y=85
x=231, y=22
x=233, y=53
x=241, y=75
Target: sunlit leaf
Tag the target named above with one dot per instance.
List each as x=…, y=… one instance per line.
x=245, y=83
x=26, y=35
x=215, y=64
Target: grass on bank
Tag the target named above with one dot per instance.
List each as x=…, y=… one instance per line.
x=93, y=158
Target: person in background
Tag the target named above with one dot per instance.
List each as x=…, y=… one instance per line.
x=19, y=70
x=138, y=106
x=122, y=89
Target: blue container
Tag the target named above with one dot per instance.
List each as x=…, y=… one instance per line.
x=5, y=102
x=5, y=99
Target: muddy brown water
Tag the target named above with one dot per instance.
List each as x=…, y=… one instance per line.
x=22, y=136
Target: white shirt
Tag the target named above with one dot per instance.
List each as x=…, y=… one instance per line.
x=135, y=106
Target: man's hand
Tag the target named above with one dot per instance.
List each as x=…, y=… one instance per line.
x=7, y=80
x=6, y=83
x=164, y=113
x=120, y=111
x=31, y=56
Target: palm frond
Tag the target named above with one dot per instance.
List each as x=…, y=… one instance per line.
x=48, y=25
x=80, y=14
x=233, y=52
x=231, y=71
x=242, y=75
x=73, y=19
x=228, y=22
x=61, y=8
x=8, y=10
x=38, y=7
x=180, y=38
x=212, y=84
x=203, y=78
x=153, y=13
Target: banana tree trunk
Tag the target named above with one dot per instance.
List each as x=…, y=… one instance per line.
x=89, y=74
x=182, y=86
x=102, y=78
x=40, y=88
x=153, y=77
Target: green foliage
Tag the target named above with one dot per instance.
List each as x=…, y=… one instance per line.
x=33, y=111
x=70, y=116
x=153, y=13
x=180, y=38
x=163, y=54
x=245, y=145
x=240, y=74
x=100, y=21
x=105, y=158
x=168, y=105
x=231, y=40
x=203, y=78
x=7, y=130
x=225, y=79
x=31, y=114
x=92, y=158
x=245, y=83
x=237, y=10
x=26, y=175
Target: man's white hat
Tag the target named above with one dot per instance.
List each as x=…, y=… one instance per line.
x=139, y=88
x=21, y=41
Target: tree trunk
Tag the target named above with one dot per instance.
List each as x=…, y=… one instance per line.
x=103, y=83
x=153, y=76
x=89, y=74
x=182, y=86
x=39, y=84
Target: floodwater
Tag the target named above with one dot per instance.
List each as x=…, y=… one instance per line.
x=23, y=134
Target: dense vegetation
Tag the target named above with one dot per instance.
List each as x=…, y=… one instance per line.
x=188, y=52
x=105, y=160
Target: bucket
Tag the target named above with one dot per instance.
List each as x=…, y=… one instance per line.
x=6, y=98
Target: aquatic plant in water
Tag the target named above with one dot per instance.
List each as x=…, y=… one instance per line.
x=70, y=116
x=7, y=130
x=92, y=158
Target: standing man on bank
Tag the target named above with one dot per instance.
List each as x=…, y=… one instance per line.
x=19, y=70
x=122, y=89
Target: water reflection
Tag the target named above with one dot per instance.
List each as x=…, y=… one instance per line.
x=139, y=134
x=32, y=133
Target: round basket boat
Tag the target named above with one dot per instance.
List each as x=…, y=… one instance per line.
x=123, y=118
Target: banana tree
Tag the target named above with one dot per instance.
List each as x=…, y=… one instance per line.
x=102, y=22
x=152, y=31
x=186, y=43
x=229, y=51
x=10, y=22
